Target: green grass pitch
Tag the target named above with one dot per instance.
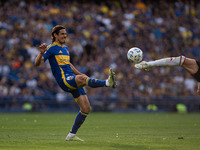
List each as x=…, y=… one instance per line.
x=101, y=131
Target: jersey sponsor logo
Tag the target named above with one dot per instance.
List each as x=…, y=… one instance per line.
x=70, y=78
x=62, y=59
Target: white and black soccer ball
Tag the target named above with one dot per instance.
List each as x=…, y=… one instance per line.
x=135, y=55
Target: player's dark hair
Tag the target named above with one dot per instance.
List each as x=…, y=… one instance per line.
x=56, y=30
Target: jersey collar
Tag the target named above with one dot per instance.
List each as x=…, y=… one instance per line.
x=58, y=44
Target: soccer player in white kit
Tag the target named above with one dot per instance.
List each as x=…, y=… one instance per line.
x=190, y=65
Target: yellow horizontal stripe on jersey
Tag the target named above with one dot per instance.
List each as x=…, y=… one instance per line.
x=64, y=80
x=62, y=59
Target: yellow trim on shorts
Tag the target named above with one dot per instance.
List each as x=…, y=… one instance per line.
x=65, y=82
x=76, y=99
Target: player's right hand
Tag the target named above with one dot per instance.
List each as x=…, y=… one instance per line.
x=43, y=48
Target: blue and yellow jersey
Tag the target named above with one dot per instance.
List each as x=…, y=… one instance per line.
x=59, y=60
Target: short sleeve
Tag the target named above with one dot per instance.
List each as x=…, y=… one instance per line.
x=47, y=54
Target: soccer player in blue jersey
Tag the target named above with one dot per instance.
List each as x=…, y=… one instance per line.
x=190, y=65
x=68, y=77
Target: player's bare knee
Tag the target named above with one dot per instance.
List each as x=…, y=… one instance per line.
x=81, y=80
x=86, y=109
x=84, y=77
x=82, y=83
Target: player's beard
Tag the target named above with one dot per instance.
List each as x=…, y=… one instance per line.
x=62, y=41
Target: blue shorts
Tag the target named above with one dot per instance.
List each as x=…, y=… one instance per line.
x=69, y=85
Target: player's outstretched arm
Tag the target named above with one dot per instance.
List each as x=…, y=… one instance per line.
x=40, y=59
x=198, y=89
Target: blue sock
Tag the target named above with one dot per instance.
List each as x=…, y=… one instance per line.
x=95, y=83
x=80, y=118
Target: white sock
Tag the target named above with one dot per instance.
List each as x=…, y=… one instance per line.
x=170, y=61
x=107, y=83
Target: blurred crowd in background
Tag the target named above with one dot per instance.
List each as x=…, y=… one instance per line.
x=99, y=35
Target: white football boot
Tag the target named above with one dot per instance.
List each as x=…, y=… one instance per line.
x=143, y=65
x=73, y=137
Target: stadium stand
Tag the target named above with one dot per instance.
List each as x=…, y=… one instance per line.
x=100, y=34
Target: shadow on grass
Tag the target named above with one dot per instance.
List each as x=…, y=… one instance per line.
x=104, y=145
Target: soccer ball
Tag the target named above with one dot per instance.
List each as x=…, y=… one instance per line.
x=135, y=55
